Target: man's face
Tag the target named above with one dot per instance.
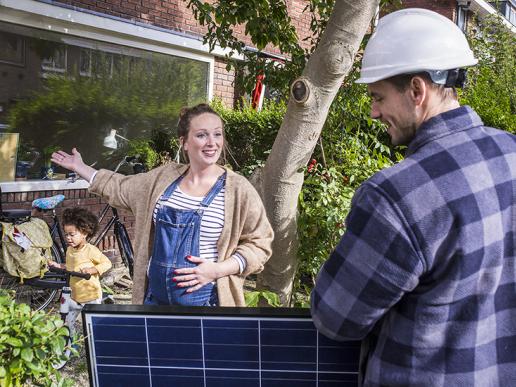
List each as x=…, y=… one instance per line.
x=395, y=109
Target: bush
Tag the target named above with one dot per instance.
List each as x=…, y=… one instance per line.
x=250, y=133
x=325, y=201
x=490, y=90
x=30, y=343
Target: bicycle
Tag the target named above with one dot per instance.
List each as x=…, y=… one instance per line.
x=39, y=292
x=59, y=279
x=38, y=297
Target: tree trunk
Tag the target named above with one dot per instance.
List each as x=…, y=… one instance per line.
x=311, y=97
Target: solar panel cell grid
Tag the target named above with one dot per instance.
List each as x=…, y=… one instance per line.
x=212, y=351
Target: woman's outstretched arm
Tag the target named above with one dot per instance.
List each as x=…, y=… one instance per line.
x=74, y=163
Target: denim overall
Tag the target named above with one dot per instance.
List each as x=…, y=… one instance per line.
x=176, y=236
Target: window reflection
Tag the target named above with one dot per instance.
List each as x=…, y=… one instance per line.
x=58, y=91
x=55, y=59
x=85, y=62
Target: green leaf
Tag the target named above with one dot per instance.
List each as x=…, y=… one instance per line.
x=272, y=298
x=27, y=354
x=24, y=309
x=14, y=342
x=252, y=298
x=40, y=354
x=37, y=367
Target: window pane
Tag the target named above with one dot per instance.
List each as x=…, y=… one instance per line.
x=85, y=62
x=74, y=92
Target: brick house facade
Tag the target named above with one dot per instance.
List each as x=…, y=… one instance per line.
x=174, y=15
x=171, y=16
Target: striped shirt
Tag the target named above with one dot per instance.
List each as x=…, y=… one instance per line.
x=212, y=221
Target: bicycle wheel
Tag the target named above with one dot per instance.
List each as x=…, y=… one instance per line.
x=125, y=247
x=36, y=298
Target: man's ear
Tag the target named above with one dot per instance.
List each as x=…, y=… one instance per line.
x=418, y=90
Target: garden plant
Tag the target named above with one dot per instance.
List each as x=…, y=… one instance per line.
x=30, y=344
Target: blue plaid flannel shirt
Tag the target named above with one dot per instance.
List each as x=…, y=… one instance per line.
x=426, y=271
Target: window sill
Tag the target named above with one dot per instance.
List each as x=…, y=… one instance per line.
x=42, y=185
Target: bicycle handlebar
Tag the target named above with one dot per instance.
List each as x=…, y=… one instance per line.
x=134, y=161
x=71, y=273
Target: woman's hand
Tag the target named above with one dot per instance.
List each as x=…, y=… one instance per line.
x=73, y=162
x=205, y=272
x=196, y=277
x=68, y=161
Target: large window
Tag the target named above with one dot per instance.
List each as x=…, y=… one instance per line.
x=58, y=91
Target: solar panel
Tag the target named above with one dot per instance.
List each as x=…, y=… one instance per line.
x=135, y=345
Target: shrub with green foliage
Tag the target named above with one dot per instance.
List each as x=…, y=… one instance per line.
x=30, y=343
x=491, y=90
x=250, y=133
x=325, y=201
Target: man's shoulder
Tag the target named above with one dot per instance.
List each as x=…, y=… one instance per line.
x=501, y=136
x=448, y=156
x=397, y=173
x=403, y=181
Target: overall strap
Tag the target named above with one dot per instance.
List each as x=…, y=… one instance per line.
x=172, y=187
x=214, y=191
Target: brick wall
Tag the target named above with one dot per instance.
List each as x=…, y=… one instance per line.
x=224, y=82
x=446, y=8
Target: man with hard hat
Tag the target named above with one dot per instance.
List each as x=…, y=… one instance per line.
x=425, y=273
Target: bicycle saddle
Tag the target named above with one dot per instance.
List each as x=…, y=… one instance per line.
x=48, y=203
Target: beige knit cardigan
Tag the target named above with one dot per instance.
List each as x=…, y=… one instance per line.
x=246, y=227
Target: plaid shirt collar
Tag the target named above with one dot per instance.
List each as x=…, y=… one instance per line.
x=444, y=124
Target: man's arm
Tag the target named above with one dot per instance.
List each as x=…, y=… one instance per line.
x=373, y=266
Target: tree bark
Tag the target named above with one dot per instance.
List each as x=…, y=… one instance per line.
x=310, y=100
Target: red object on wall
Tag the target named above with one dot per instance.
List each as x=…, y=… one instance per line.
x=257, y=93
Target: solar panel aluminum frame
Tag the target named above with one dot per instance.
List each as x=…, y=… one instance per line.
x=227, y=314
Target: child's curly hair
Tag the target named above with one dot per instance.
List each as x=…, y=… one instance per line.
x=85, y=221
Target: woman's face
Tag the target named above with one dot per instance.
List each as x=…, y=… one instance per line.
x=205, y=140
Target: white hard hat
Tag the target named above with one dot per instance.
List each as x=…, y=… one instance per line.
x=414, y=40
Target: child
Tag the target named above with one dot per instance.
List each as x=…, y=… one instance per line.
x=80, y=224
